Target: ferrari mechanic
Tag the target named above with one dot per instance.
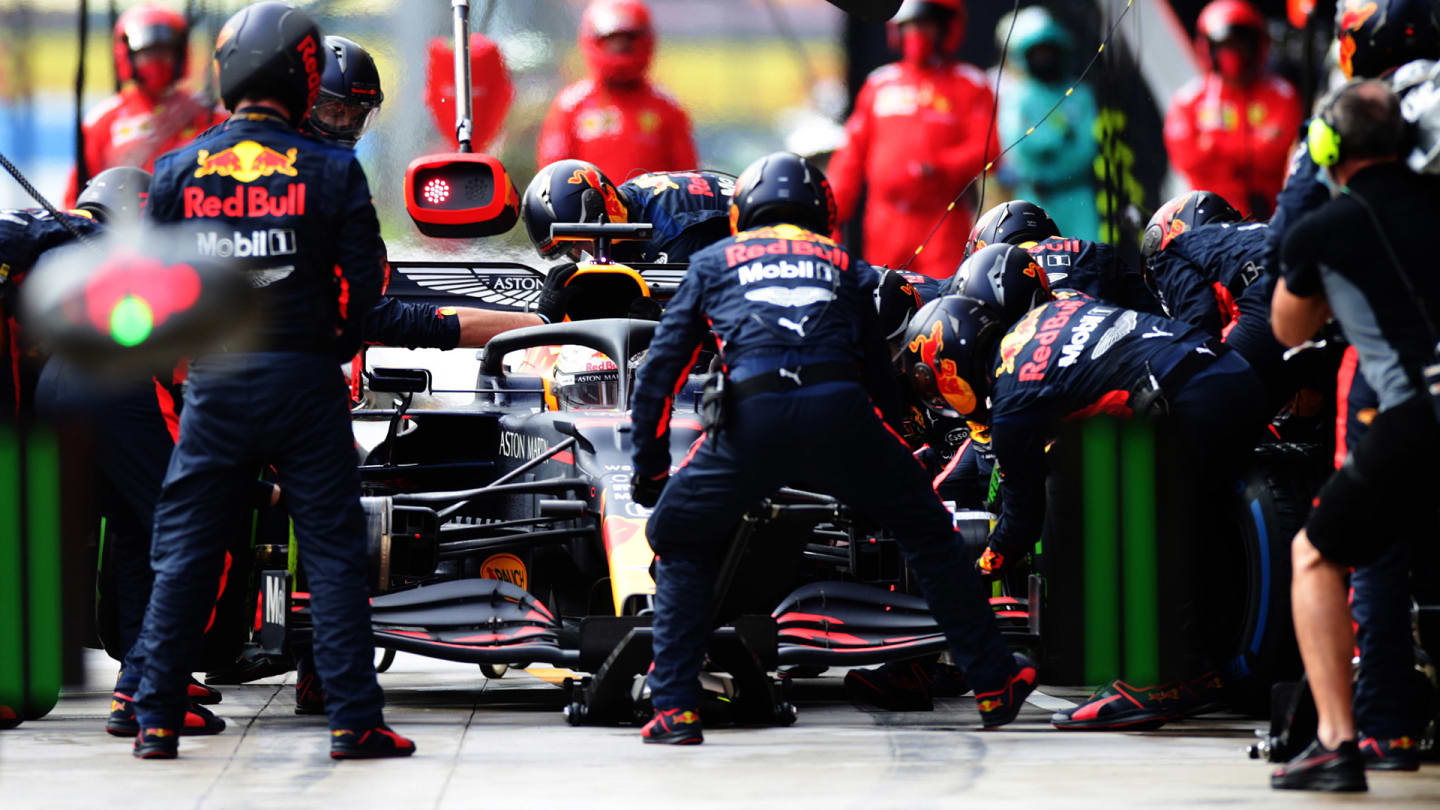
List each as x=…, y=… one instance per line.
x=806, y=362
x=284, y=404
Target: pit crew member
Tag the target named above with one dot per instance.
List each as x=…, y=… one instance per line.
x=1387, y=310
x=920, y=131
x=617, y=119
x=286, y=403
x=1076, y=358
x=152, y=113
x=1230, y=129
x=806, y=361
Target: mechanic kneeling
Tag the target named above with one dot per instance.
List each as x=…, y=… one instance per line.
x=284, y=403
x=810, y=376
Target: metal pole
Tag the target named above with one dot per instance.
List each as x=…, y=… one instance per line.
x=463, y=113
x=82, y=172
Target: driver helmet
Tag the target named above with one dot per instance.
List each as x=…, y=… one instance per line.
x=350, y=94
x=1377, y=36
x=1183, y=213
x=949, y=345
x=1004, y=277
x=572, y=191
x=141, y=28
x=617, y=40
x=1014, y=222
x=584, y=378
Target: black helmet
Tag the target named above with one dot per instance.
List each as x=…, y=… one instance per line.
x=1004, y=277
x=1012, y=223
x=948, y=349
x=568, y=191
x=116, y=194
x=897, y=299
x=782, y=188
x=1377, y=36
x=270, y=49
x=350, y=94
x=1183, y=213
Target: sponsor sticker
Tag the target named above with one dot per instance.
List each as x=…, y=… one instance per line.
x=504, y=567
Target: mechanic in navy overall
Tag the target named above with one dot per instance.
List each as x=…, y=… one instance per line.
x=811, y=377
x=1366, y=257
x=1075, y=358
x=1208, y=269
x=1373, y=42
x=1093, y=268
x=284, y=402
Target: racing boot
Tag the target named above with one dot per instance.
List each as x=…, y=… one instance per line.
x=1320, y=768
x=202, y=694
x=905, y=686
x=156, y=743
x=369, y=743
x=122, y=723
x=1122, y=707
x=674, y=727
x=1397, y=754
x=1000, y=706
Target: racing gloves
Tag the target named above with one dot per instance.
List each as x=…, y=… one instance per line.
x=646, y=491
x=991, y=564
x=554, y=297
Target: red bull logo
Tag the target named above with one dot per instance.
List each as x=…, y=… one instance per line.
x=954, y=388
x=1015, y=340
x=1173, y=693
x=158, y=732
x=1354, y=13
x=246, y=201
x=246, y=161
x=1167, y=216
x=614, y=208
x=990, y=705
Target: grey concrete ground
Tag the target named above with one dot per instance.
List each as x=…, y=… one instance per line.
x=504, y=743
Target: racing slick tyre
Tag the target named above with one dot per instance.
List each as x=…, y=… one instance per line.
x=494, y=672
x=387, y=657
x=1250, y=599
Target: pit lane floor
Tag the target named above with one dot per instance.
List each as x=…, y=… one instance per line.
x=504, y=743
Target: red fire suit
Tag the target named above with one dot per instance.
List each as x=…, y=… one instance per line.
x=917, y=136
x=132, y=129
x=625, y=130
x=1234, y=139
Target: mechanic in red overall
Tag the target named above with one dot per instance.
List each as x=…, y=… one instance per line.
x=806, y=361
x=920, y=131
x=616, y=118
x=1230, y=130
x=152, y=113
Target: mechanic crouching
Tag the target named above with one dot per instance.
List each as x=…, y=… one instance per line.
x=807, y=365
x=284, y=403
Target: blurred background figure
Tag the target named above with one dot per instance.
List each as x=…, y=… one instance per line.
x=616, y=118
x=920, y=130
x=153, y=113
x=1230, y=130
x=490, y=89
x=1051, y=167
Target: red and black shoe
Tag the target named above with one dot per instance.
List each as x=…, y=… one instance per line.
x=309, y=697
x=905, y=686
x=1396, y=754
x=157, y=743
x=122, y=723
x=370, y=743
x=202, y=694
x=1320, y=768
x=1001, y=706
x=674, y=727
x=1122, y=707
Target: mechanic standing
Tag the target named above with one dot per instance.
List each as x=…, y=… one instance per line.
x=257, y=178
x=1230, y=130
x=152, y=113
x=920, y=131
x=616, y=118
x=807, y=365
x=1362, y=257
x=1373, y=41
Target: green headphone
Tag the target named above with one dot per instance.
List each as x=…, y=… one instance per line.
x=1323, y=140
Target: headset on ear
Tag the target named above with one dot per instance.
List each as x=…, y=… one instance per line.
x=1323, y=140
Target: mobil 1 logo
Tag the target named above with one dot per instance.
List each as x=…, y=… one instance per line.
x=274, y=610
x=237, y=244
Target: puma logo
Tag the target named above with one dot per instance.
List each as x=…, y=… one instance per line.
x=789, y=375
x=799, y=328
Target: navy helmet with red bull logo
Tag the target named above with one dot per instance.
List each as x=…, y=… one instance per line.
x=783, y=188
x=350, y=93
x=572, y=191
x=1012, y=223
x=1006, y=278
x=270, y=50
x=949, y=345
x=1184, y=212
x=1377, y=36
